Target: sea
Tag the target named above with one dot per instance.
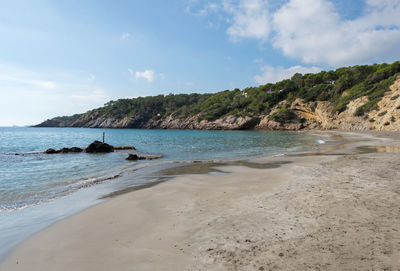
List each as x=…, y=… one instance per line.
x=38, y=189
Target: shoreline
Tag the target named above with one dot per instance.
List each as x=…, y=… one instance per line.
x=187, y=220
x=21, y=223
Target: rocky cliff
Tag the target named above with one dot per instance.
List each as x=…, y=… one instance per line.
x=303, y=115
x=319, y=115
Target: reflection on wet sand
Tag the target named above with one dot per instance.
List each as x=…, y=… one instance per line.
x=133, y=188
x=197, y=167
x=374, y=149
x=212, y=167
x=357, y=150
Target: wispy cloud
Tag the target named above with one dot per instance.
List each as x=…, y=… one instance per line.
x=33, y=83
x=96, y=95
x=147, y=75
x=209, y=8
x=125, y=36
x=91, y=77
x=30, y=97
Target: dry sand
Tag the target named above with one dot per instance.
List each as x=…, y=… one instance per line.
x=322, y=212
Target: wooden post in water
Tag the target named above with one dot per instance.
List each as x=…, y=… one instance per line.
x=103, y=136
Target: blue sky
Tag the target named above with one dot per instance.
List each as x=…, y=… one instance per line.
x=66, y=57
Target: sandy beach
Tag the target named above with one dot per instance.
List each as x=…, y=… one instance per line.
x=336, y=210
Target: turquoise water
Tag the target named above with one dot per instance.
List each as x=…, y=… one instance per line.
x=39, y=189
x=28, y=177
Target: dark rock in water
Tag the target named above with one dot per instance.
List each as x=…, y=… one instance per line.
x=64, y=150
x=51, y=151
x=69, y=150
x=134, y=157
x=76, y=149
x=99, y=147
x=128, y=147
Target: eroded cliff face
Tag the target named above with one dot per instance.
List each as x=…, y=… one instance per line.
x=388, y=116
x=319, y=115
x=310, y=115
x=225, y=123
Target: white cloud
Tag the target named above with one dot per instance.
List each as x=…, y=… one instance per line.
x=274, y=74
x=125, y=36
x=250, y=19
x=311, y=30
x=147, y=74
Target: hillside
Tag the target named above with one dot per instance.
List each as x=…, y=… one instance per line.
x=351, y=98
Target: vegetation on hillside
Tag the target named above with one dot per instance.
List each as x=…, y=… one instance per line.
x=337, y=86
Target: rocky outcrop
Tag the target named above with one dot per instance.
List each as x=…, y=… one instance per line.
x=51, y=151
x=307, y=115
x=134, y=157
x=225, y=123
x=99, y=147
x=319, y=115
x=387, y=118
x=95, y=147
x=64, y=150
x=128, y=147
x=95, y=120
x=71, y=150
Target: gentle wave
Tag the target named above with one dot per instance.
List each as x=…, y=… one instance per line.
x=29, y=177
x=69, y=187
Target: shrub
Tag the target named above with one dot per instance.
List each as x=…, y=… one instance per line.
x=382, y=113
x=284, y=115
x=394, y=97
x=368, y=107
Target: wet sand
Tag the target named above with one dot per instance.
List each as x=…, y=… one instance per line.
x=339, y=210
